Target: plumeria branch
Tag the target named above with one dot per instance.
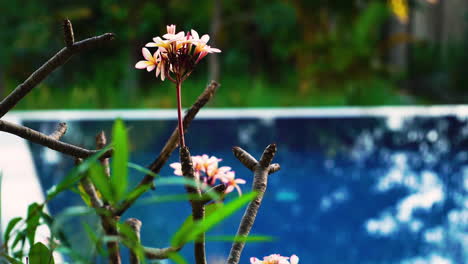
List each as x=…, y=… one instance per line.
x=250, y=162
x=135, y=225
x=261, y=172
x=170, y=146
x=52, y=64
x=160, y=253
x=59, y=131
x=101, y=142
x=108, y=222
x=198, y=207
x=48, y=141
x=51, y=141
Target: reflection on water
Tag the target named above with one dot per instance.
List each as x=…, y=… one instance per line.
x=351, y=190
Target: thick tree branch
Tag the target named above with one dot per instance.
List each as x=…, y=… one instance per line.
x=48, y=141
x=59, y=131
x=101, y=142
x=47, y=68
x=160, y=253
x=260, y=181
x=150, y=253
x=250, y=162
x=107, y=220
x=135, y=225
x=198, y=207
x=90, y=190
x=171, y=145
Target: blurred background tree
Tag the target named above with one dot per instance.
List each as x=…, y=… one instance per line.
x=275, y=53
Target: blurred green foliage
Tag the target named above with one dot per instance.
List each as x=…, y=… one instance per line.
x=275, y=53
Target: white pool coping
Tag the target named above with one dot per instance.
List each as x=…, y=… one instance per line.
x=242, y=113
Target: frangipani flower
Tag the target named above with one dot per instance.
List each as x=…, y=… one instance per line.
x=207, y=172
x=275, y=259
x=229, y=179
x=151, y=60
x=182, y=50
x=175, y=59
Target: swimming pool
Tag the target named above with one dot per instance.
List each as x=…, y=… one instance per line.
x=357, y=185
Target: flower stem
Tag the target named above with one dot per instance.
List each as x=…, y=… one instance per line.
x=179, y=113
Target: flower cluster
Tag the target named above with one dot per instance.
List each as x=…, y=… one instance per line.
x=275, y=259
x=177, y=54
x=207, y=172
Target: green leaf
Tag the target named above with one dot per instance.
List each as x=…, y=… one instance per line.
x=101, y=182
x=20, y=237
x=177, y=258
x=32, y=221
x=179, y=237
x=95, y=238
x=11, y=225
x=178, y=180
x=167, y=198
x=142, y=169
x=250, y=238
x=138, y=191
x=68, y=213
x=119, y=179
x=10, y=259
x=40, y=254
x=213, y=216
x=75, y=175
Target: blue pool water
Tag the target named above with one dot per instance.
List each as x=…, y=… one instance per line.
x=357, y=190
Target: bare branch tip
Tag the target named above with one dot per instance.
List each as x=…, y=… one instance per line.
x=59, y=131
x=267, y=156
x=68, y=32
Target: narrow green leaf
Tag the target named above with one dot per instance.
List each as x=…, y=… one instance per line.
x=167, y=198
x=119, y=160
x=49, y=221
x=75, y=175
x=10, y=259
x=68, y=213
x=32, y=221
x=138, y=191
x=177, y=258
x=219, y=215
x=101, y=181
x=179, y=237
x=250, y=238
x=177, y=180
x=40, y=254
x=94, y=238
x=142, y=169
x=20, y=237
x=11, y=225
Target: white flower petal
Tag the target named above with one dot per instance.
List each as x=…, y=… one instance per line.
x=147, y=54
x=205, y=38
x=141, y=65
x=195, y=34
x=215, y=50
x=150, y=67
x=294, y=259
x=151, y=44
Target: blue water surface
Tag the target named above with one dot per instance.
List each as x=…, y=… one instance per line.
x=350, y=190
